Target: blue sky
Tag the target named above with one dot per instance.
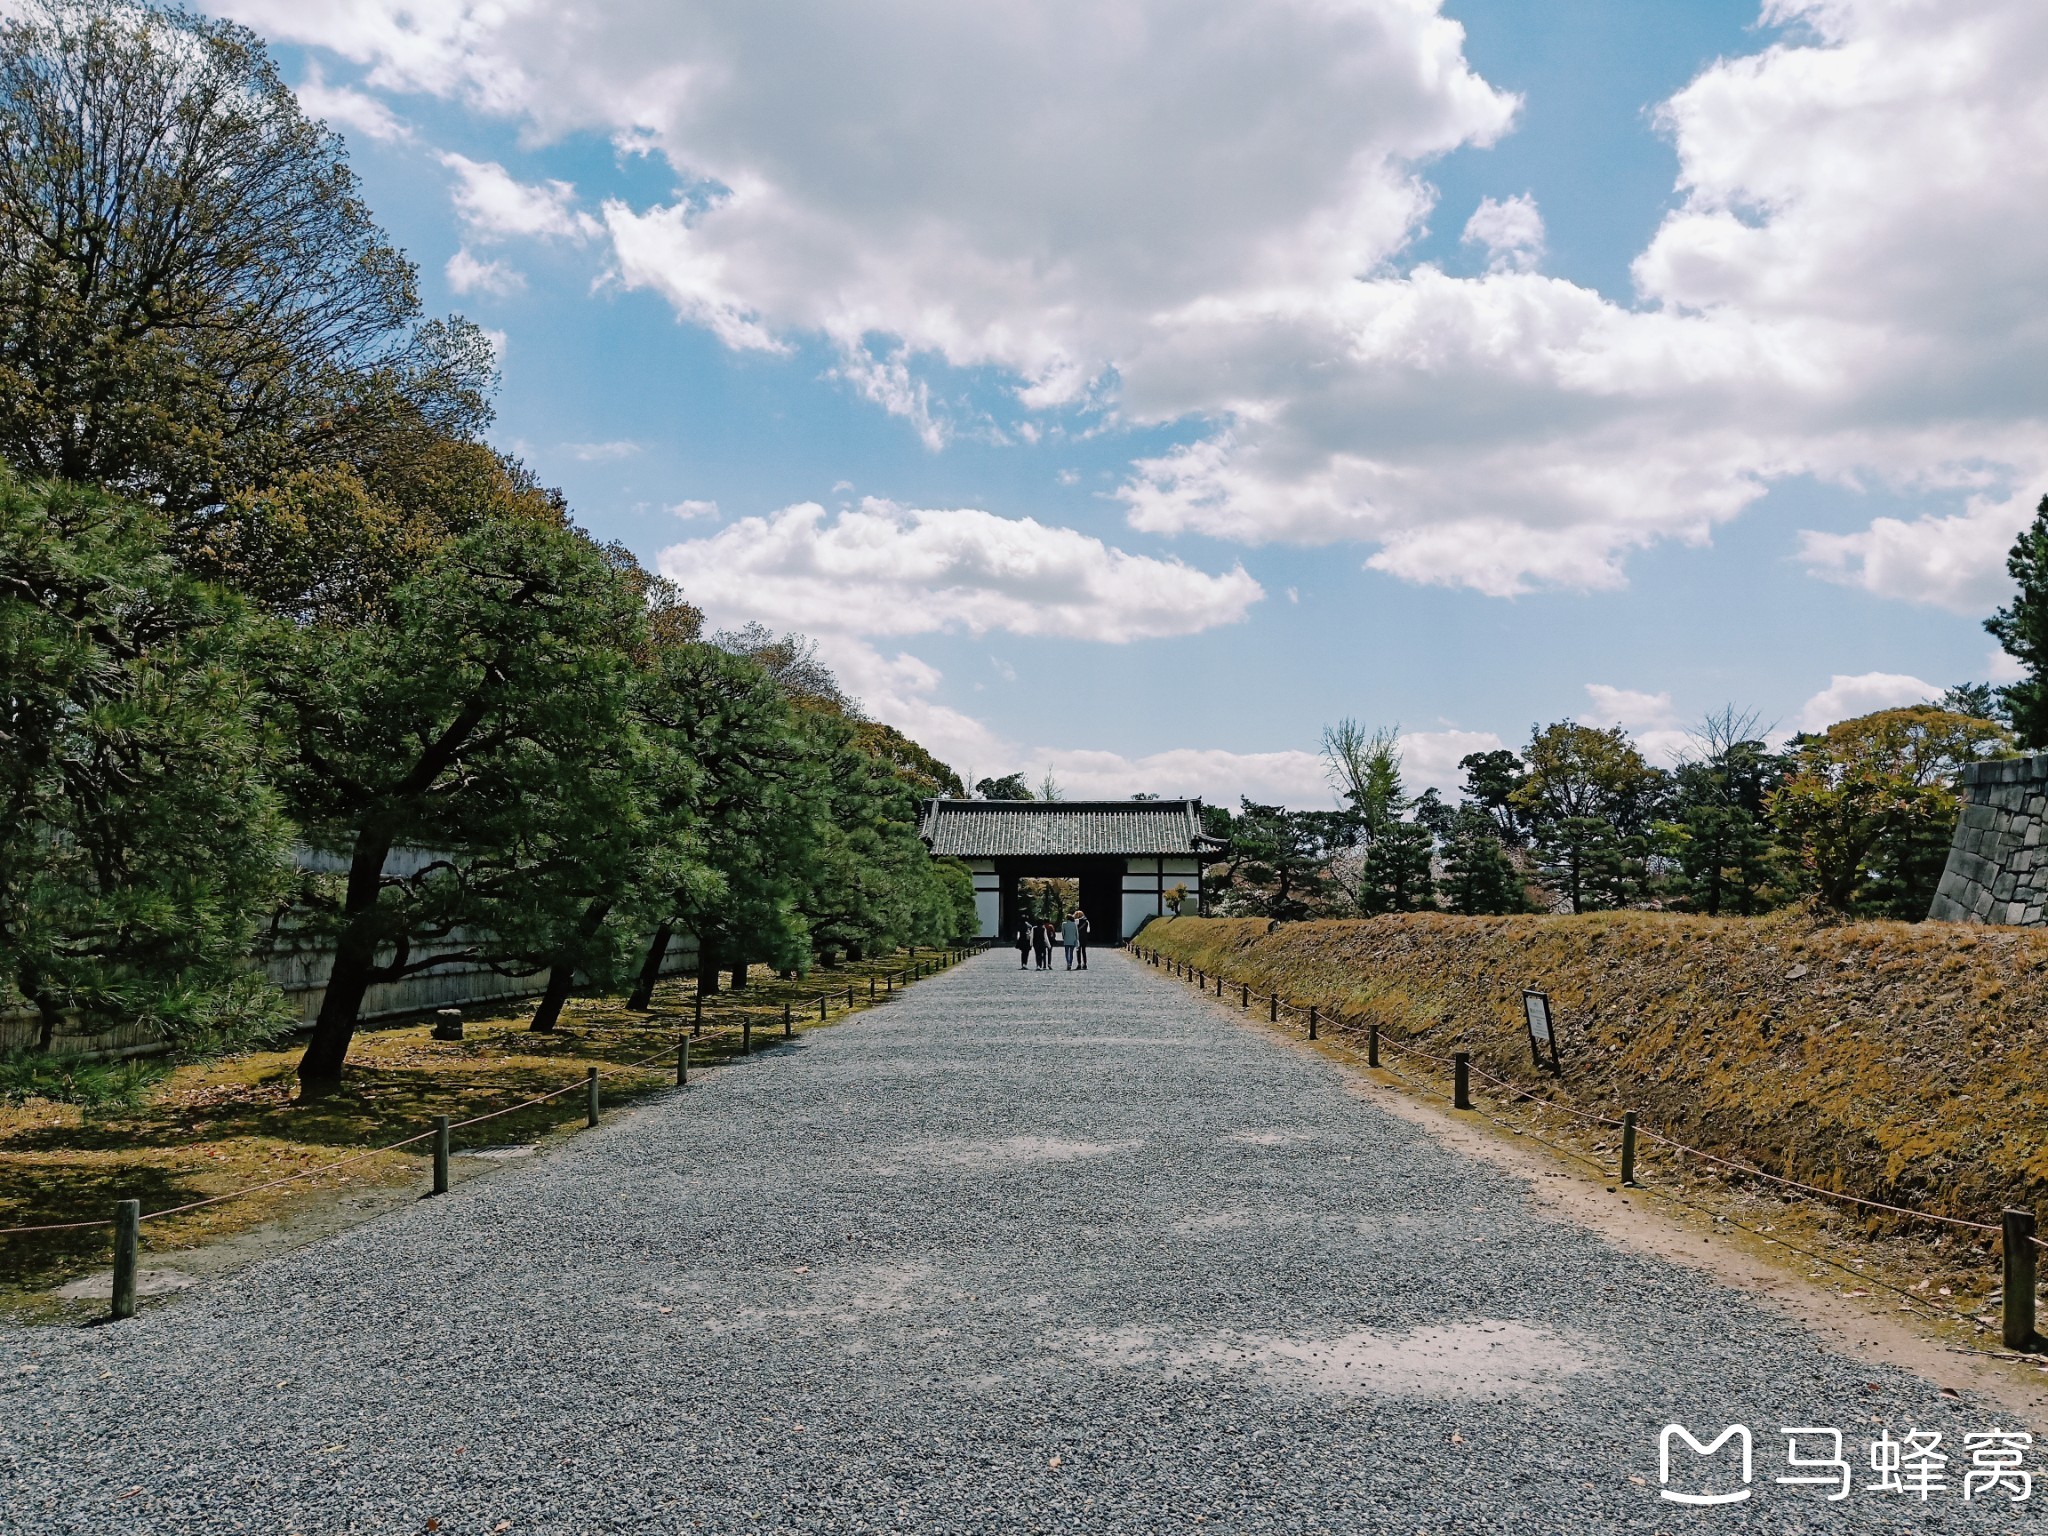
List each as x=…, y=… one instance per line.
x=1170, y=391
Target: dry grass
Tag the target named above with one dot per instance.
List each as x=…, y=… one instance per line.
x=227, y=1125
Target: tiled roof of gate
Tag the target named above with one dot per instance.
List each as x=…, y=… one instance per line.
x=994, y=829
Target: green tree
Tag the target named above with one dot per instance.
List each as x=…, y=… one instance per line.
x=1279, y=861
x=757, y=816
x=1871, y=804
x=1479, y=877
x=1491, y=780
x=193, y=296
x=630, y=867
x=1388, y=867
x=1719, y=835
x=2021, y=627
x=1010, y=786
x=140, y=844
x=482, y=722
x=1589, y=800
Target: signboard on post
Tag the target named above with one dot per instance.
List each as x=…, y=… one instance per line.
x=1542, y=1034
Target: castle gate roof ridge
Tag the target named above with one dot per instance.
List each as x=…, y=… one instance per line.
x=996, y=829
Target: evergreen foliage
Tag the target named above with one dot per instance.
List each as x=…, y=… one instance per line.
x=141, y=844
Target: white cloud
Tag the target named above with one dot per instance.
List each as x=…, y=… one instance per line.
x=901, y=689
x=1429, y=759
x=1955, y=562
x=468, y=273
x=689, y=510
x=880, y=569
x=2001, y=667
x=602, y=453
x=1650, y=719
x=341, y=107
x=889, y=383
x=1625, y=706
x=1197, y=212
x=1511, y=231
x=1846, y=697
x=1272, y=778
x=494, y=204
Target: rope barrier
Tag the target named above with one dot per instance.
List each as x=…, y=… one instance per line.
x=357, y=1157
x=1523, y=1092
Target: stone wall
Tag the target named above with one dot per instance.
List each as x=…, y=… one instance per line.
x=1997, y=869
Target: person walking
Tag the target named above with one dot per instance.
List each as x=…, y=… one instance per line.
x=1081, y=951
x=1070, y=937
x=1041, y=945
x=1023, y=942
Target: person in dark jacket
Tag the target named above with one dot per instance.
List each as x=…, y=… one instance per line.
x=1081, y=949
x=1041, y=944
x=1023, y=943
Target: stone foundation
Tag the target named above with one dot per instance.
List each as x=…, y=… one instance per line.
x=1997, y=869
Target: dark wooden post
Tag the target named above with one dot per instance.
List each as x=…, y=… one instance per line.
x=821, y=1010
x=747, y=1036
x=1372, y=1045
x=1461, y=1079
x=440, y=1154
x=1273, y=1009
x=2019, y=1278
x=590, y=1089
x=1312, y=1021
x=786, y=1020
x=1628, y=1146
x=682, y=1063
x=127, y=1254
x=871, y=989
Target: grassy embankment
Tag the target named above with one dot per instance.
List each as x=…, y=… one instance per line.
x=1894, y=1061
x=224, y=1125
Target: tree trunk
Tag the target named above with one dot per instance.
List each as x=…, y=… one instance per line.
x=355, y=961
x=48, y=1009
x=739, y=975
x=650, y=972
x=707, y=968
x=561, y=976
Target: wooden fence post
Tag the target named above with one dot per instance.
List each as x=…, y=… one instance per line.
x=127, y=1254
x=1372, y=1045
x=1246, y=1000
x=2019, y=1278
x=1312, y=1021
x=590, y=1091
x=440, y=1154
x=1273, y=1009
x=682, y=1063
x=1628, y=1146
x=785, y=1018
x=821, y=1010
x=1461, y=1079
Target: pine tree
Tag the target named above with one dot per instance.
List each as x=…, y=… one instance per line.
x=2021, y=626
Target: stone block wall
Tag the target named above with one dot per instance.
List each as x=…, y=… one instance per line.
x=1997, y=869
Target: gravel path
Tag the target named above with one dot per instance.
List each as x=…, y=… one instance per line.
x=1018, y=1252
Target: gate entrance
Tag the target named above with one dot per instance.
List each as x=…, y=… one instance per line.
x=1125, y=858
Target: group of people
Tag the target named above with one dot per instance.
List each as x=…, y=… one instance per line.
x=1037, y=939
